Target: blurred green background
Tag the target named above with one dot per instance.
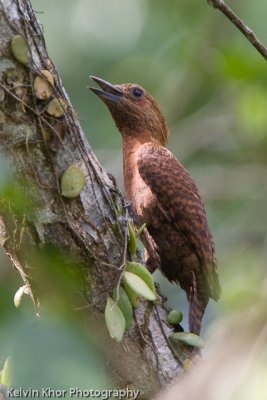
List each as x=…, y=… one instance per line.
x=211, y=85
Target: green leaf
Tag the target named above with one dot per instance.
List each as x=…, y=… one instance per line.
x=143, y=273
x=133, y=296
x=124, y=305
x=72, y=181
x=6, y=373
x=132, y=241
x=191, y=339
x=138, y=286
x=115, y=320
x=175, y=317
x=20, y=49
x=140, y=230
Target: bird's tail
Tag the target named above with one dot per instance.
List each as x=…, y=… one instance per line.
x=197, y=304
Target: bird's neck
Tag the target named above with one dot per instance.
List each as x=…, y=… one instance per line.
x=135, y=187
x=131, y=147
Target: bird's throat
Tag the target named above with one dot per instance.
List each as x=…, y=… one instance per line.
x=135, y=188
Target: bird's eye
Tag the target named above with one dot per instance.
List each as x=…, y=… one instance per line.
x=137, y=92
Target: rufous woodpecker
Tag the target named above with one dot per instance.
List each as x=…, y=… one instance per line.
x=164, y=196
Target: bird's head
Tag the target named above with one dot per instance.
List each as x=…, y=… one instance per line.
x=134, y=110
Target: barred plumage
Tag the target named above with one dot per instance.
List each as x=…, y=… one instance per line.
x=165, y=197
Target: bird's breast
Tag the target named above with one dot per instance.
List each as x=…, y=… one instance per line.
x=142, y=199
x=137, y=191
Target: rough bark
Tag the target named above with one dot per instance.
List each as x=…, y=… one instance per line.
x=37, y=149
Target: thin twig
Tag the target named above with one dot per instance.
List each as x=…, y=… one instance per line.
x=124, y=254
x=150, y=345
x=32, y=110
x=247, y=32
x=174, y=353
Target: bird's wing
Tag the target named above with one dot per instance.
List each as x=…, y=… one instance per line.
x=180, y=201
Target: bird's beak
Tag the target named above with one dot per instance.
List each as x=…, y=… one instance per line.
x=109, y=92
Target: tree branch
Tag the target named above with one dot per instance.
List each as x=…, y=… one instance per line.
x=247, y=32
x=38, y=148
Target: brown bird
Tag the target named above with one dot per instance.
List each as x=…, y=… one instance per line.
x=164, y=196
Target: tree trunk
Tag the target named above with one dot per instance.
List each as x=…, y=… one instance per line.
x=37, y=145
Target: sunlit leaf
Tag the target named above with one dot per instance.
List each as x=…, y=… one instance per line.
x=133, y=296
x=143, y=273
x=18, y=296
x=139, y=286
x=6, y=373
